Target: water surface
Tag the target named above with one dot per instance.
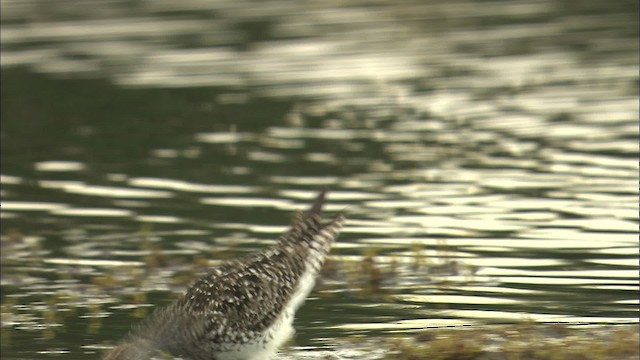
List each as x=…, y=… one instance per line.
x=485, y=154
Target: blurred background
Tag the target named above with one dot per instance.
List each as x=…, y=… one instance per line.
x=484, y=152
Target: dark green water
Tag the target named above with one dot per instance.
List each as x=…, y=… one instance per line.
x=485, y=154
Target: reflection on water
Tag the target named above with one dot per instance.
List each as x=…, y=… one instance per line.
x=485, y=154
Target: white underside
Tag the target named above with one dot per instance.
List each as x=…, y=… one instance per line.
x=281, y=330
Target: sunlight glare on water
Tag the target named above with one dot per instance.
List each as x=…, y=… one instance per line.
x=485, y=156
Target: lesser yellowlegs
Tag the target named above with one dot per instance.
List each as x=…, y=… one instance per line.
x=242, y=309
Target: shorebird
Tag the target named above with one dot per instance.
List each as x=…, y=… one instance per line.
x=242, y=309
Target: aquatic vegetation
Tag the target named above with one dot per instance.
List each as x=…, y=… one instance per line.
x=523, y=341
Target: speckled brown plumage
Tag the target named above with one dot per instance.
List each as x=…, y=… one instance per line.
x=242, y=309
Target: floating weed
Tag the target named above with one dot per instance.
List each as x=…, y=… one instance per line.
x=199, y=262
x=372, y=274
x=139, y=312
x=420, y=260
x=230, y=251
x=36, y=252
x=9, y=243
x=524, y=341
x=5, y=336
x=394, y=267
x=136, y=275
x=7, y=313
x=331, y=269
x=145, y=231
x=449, y=347
x=48, y=333
x=50, y=312
x=183, y=278
x=442, y=249
x=198, y=265
x=106, y=281
x=625, y=341
x=95, y=315
x=155, y=258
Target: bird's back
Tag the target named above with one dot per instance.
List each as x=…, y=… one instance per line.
x=242, y=309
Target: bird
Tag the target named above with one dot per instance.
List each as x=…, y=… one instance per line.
x=242, y=309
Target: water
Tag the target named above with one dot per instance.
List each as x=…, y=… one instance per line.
x=485, y=154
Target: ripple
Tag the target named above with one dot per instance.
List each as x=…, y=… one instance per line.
x=180, y=185
x=10, y=180
x=453, y=299
x=249, y=202
x=97, y=212
x=158, y=219
x=92, y=262
x=59, y=166
x=105, y=191
x=31, y=206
